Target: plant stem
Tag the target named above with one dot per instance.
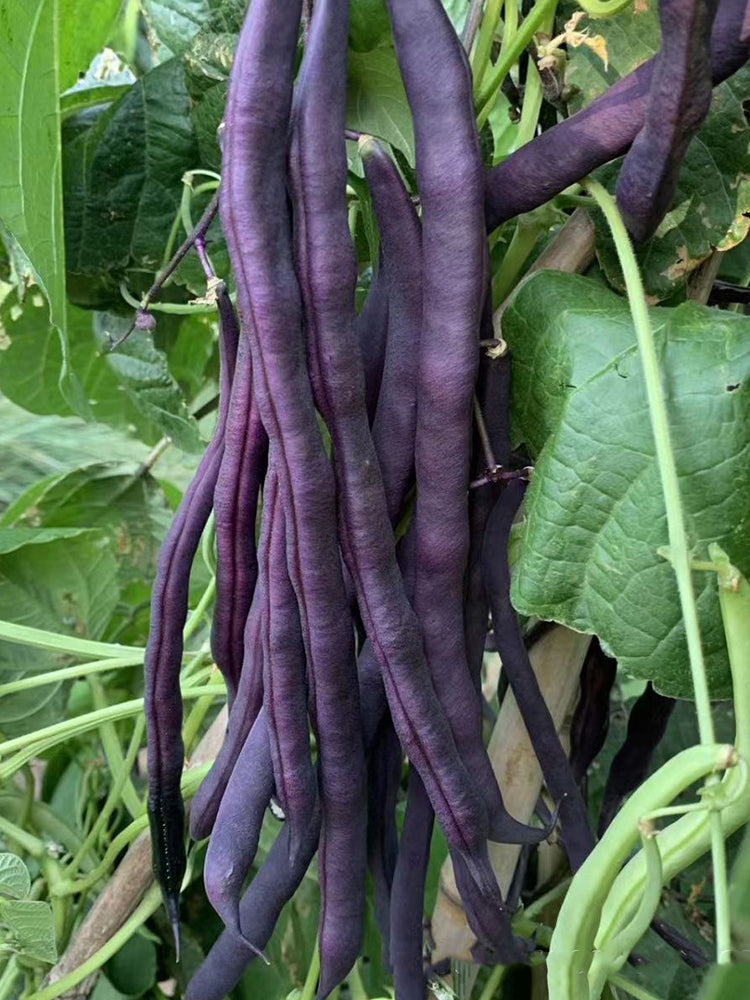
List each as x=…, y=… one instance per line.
x=510, y=27
x=113, y=752
x=679, y=550
x=148, y=906
x=194, y=622
x=634, y=989
x=471, y=25
x=510, y=54
x=111, y=801
x=10, y=974
x=313, y=971
x=490, y=987
x=67, y=673
x=28, y=843
x=61, y=643
x=481, y=58
x=523, y=241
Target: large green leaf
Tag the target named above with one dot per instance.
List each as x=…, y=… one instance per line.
x=123, y=176
x=59, y=579
x=123, y=502
x=594, y=513
x=377, y=101
x=85, y=27
x=15, y=881
x=31, y=213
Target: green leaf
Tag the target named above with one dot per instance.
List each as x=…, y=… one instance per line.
x=739, y=894
x=594, y=512
x=368, y=24
x=30, y=168
x=176, y=22
x=376, y=100
x=29, y=929
x=126, y=504
x=123, y=176
x=132, y=970
x=144, y=376
x=85, y=28
x=15, y=881
x=727, y=982
x=60, y=579
x=31, y=359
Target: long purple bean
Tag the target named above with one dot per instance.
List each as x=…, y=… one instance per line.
x=234, y=841
x=553, y=761
x=647, y=724
x=679, y=100
x=245, y=707
x=272, y=887
x=600, y=132
x=395, y=422
x=590, y=726
x=384, y=765
x=407, y=892
x=169, y=605
x=254, y=212
x=235, y=510
x=285, y=686
x=365, y=531
x=450, y=176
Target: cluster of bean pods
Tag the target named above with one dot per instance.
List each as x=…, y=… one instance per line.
x=347, y=653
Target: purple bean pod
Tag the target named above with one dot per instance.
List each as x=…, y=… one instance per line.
x=234, y=841
x=647, y=724
x=285, y=685
x=588, y=732
x=244, y=710
x=394, y=427
x=169, y=606
x=371, y=327
x=385, y=761
x=450, y=176
x=255, y=213
x=235, y=511
x=679, y=100
x=577, y=836
x=272, y=887
x=600, y=132
x=407, y=893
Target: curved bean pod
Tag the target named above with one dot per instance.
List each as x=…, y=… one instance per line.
x=590, y=726
x=272, y=887
x=163, y=658
x=679, y=100
x=244, y=710
x=600, y=132
x=553, y=760
x=384, y=780
x=572, y=946
x=234, y=841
